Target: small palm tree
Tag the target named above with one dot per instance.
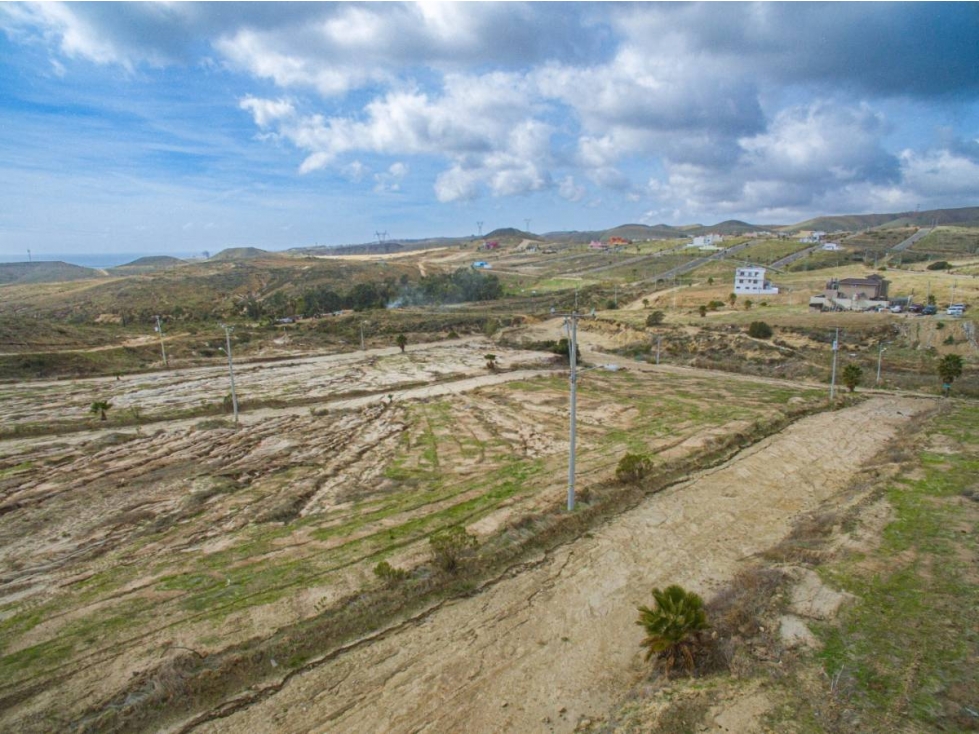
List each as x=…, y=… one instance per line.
x=100, y=408
x=948, y=369
x=673, y=626
x=732, y=298
x=490, y=362
x=401, y=341
x=851, y=376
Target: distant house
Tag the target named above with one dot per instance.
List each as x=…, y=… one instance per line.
x=751, y=279
x=616, y=241
x=707, y=240
x=492, y=245
x=871, y=288
x=832, y=247
x=596, y=245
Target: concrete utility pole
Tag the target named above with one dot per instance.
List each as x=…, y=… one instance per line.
x=163, y=349
x=880, y=357
x=836, y=348
x=362, y=335
x=659, y=338
x=572, y=324
x=231, y=370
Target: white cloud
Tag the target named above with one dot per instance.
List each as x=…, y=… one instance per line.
x=391, y=179
x=570, y=191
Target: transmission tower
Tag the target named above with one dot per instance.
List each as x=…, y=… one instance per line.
x=480, y=225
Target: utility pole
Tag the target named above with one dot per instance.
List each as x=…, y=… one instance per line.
x=659, y=338
x=362, y=336
x=836, y=348
x=163, y=349
x=480, y=225
x=880, y=357
x=231, y=370
x=527, y=225
x=572, y=323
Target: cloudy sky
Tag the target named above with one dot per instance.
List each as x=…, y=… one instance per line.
x=180, y=127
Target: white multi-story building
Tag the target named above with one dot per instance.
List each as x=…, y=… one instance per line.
x=751, y=279
x=707, y=240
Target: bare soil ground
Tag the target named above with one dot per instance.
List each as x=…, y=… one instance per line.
x=557, y=642
x=120, y=547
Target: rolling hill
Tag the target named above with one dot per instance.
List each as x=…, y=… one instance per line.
x=45, y=272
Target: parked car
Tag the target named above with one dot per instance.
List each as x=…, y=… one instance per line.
x=896, y=308
x=915, y=308
x=929, y=310
x=956, y=309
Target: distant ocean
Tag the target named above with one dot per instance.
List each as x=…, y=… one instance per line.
x=98, y=260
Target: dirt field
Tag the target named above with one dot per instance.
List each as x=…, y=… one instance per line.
x=120, y=547
x=557, y=643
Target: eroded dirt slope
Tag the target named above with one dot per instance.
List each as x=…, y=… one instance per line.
x=556, y=643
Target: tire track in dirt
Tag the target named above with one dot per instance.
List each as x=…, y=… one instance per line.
x=541, y=650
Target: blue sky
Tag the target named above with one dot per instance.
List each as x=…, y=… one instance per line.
x=183, y=127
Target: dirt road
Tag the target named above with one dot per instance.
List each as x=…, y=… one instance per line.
x=557, y=642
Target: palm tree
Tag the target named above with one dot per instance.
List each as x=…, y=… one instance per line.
x=948, y=369
x=401, y=341
x=99, y=408
x=490, y=361
x=851, y=376
x=732, y=298
x=674, y=626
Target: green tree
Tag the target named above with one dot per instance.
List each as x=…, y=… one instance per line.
x=748, y=303
x=732, y=298
x=948, y=369
x=490, y=362
x=710, y=281
x=645, y=303
x=401, y=341
x=633, y=467
x=450, y=546
x=674, y=626
x=703, y=311
x=100, y=408
x=760, y=330
x=851, y=376
x=655, y=318
x=931, y=299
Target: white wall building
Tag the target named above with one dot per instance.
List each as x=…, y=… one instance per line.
x=707, y=240
x=751, y=279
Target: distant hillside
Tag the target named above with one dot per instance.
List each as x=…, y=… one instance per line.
x=147, y=265
x=966, y=216
x=45, y=272
x=731, y=227
x=511, y=233
x=240, y=253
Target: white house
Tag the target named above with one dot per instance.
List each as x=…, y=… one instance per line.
x=751, y=279
x=707, y=240
x=832, y=247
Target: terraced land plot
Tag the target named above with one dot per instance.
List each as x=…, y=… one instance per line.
x=121, y=550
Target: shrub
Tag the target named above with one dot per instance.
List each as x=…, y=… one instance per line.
x=703, y=311
x=939, y=265
x=389, y=574
x=673, y=627
x=851, y=376
x=633, y=467
x=655, y=318
x=611, y=305
x=760, y=330
x=715, y=305
x=450, y=546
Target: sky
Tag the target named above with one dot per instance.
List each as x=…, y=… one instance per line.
x=165, y=128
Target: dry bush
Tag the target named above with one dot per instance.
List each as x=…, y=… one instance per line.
x=805, y=543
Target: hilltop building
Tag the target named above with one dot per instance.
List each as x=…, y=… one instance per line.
x=752, y=280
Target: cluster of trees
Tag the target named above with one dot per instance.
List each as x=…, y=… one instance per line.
x=462, y=286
